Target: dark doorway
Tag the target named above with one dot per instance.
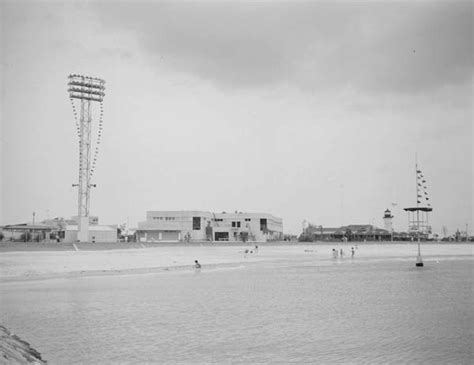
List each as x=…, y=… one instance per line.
x=222, y=236
x=263, y=224
x=196, y=223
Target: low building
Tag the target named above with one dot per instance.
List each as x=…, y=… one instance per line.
x=58, y=229
x=66, y=230
x=96, y=234
x=27, y=232
x=352, y=232
x=189, y=226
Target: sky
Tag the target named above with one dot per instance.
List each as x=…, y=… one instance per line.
x=311, y=111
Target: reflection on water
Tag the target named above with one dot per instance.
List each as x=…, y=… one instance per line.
x=370, y=312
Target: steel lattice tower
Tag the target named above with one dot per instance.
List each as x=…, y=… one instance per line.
x=84, y=92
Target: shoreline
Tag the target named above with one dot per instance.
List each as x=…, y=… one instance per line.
x=190, y=268
x=44, y=265
x=10, y=247
x=15, y=350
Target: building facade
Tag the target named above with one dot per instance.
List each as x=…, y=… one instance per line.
x=352, y=232
x=96, y=233
x=187, y=226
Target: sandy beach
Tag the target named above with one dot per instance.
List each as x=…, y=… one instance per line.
x=39, y=265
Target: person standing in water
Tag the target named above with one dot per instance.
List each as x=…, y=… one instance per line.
x=352, y=252
x=342, y=253
x=197, y=265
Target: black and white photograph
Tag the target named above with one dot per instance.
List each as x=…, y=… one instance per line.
x=236, y=182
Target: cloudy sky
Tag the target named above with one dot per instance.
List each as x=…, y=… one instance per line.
x=307, y=110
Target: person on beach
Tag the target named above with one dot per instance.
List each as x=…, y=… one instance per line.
x=352, y=252
x=334, y=253
x=197, y=265
x=256, y=248
x=246, y=252
x=342, y=253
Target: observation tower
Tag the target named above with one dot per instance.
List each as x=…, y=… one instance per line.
x=86, y=95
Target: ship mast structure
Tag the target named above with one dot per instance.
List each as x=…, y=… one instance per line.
x=418, y=216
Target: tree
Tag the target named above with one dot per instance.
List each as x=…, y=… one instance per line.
x=348, y=234
x=457, y=235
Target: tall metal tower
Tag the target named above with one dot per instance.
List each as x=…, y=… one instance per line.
x=84, y=93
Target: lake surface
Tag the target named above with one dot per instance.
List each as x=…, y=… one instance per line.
x=293, y=311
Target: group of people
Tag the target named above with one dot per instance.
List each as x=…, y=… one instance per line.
x=340, y=253
x=197, y=265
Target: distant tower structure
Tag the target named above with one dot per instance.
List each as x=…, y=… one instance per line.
x=387, y=220
x=84, y=93
x=418, y=216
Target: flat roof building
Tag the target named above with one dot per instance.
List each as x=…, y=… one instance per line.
x=187, y=226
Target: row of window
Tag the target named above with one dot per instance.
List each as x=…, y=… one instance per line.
x=174, y=218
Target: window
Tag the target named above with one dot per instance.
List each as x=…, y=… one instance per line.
x=238, y=224
x=196, y=223
x=233, y=224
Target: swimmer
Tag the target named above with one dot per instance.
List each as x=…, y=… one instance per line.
x=197, y=265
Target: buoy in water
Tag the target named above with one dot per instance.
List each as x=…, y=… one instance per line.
x=419, y=261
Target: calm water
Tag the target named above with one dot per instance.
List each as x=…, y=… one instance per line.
x=294, y=311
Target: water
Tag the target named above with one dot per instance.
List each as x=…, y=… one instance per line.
x=296, y=311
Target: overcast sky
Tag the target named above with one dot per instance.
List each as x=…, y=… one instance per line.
x=307, y=110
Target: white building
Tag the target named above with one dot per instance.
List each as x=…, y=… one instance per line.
x=206, y=226
x=67, y=230
x=96, y=233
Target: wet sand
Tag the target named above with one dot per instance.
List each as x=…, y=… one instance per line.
x=41, y=265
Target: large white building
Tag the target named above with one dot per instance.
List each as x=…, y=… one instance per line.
x=206, y=226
